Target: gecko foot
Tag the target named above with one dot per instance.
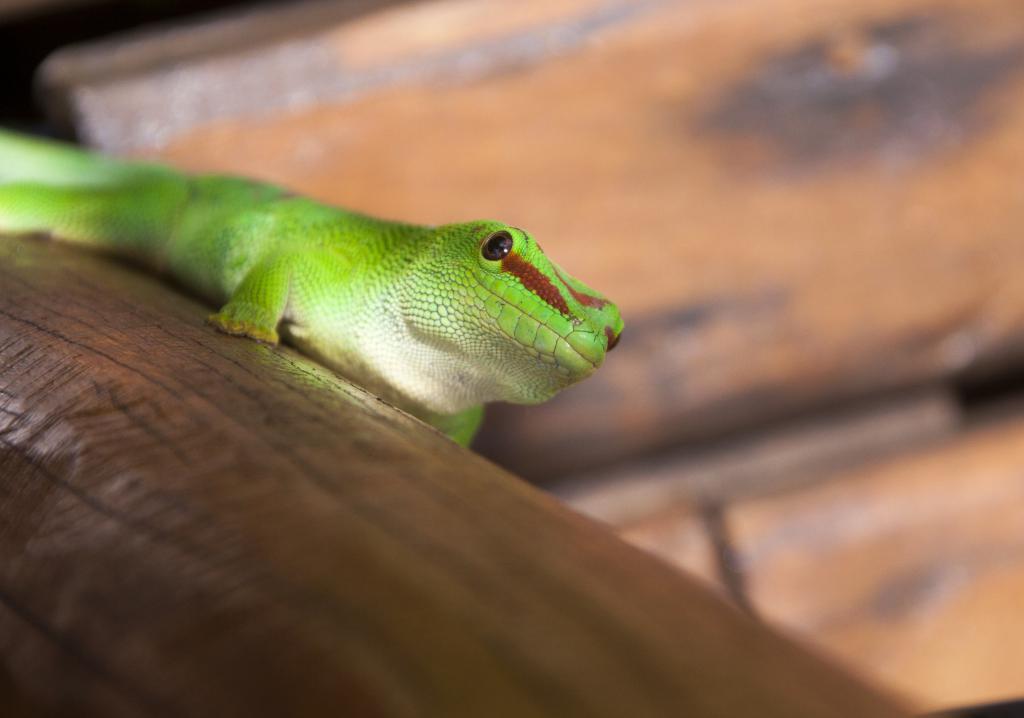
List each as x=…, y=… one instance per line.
x=238, y=320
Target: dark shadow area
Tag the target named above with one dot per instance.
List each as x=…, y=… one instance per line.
x=990, y=390
x=1012, y=709
x=27, y=38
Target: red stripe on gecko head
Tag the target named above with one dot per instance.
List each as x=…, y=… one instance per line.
x=587, y=300
x=534, y=280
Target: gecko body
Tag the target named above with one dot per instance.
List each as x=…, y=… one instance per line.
x=437, y=320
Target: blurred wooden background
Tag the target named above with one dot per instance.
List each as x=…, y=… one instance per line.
x=810, y=212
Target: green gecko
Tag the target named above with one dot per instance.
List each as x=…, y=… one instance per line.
x=436, y=320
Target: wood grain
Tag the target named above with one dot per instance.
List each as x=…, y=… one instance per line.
x=197, y=525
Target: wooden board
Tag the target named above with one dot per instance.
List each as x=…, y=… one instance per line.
x=911, y=571
x=906, y=564
x=794, y=201
x=198, y=525
x=784, y=456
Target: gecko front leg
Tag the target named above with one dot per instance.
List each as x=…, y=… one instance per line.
x=258, y=302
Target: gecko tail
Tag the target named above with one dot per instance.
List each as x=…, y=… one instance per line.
x=56, y=189
x=39, y=161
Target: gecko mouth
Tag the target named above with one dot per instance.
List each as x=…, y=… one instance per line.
x=613, y=338
x=569, y=354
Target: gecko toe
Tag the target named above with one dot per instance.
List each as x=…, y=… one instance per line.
x=237, y=326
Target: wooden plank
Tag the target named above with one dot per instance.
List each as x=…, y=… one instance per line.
x=684, y=541
x=795, y=202
x=672, y=504
x=192, y=524
x=911, y=570
x=639, y=497
x=139, y=90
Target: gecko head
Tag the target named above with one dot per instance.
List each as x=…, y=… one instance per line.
x=525, y=327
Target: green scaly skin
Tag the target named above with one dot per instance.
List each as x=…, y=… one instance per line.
x=419, y=315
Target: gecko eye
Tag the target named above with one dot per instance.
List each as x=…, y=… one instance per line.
x=497, y=246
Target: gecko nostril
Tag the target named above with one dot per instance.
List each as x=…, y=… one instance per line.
x=613, y=338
